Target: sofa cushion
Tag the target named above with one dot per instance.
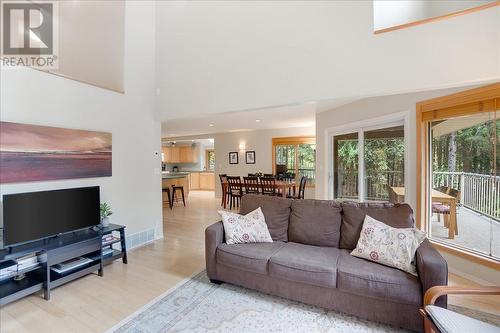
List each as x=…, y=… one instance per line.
x=251, y=257
x=366, y=278
x=306, y=264
x=276, y=211
x=394, y=215
x=315, y=222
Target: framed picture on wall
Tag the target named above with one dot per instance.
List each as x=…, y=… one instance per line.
x=233, y=157
x=250, y=157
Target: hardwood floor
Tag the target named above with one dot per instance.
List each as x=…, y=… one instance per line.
x=94, y=304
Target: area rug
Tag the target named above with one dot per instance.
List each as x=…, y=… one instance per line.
x=200, y=306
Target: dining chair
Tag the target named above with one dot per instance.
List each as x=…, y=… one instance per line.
x=251, y=185
x=440, y=208
x=225, y=196
x=302, y=189
x=235, y=191
x=268, y=185
x=393, y=198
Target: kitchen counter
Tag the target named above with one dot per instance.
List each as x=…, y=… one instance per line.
x=174, y=175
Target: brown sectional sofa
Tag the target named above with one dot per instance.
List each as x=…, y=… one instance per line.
x=310, y=261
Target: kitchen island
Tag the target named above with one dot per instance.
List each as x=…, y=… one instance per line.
x=177, y=179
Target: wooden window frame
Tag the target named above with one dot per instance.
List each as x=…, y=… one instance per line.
x=477, y=100
x=296, y=141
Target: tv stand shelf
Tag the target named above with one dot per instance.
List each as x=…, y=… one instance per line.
x=56, y=250
x=13, y=290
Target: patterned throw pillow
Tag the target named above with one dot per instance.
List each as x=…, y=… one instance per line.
x=250, y=228
x=389, y=246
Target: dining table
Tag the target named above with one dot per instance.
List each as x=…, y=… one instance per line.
x=282, y=186
x=441, y=197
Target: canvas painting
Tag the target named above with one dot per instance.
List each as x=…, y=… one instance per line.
x=37, y=153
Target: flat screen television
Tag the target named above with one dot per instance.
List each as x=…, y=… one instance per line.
x=36, y=215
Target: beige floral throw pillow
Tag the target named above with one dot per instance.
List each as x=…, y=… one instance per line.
x=389, y=246
x=250, y=228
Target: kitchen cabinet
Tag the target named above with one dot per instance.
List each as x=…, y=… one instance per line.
x=207, y=181
x=180, y=154
x=195, y=180
x=202, y=181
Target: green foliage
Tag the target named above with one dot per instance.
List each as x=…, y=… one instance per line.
x=474, y=150
x=105, y=210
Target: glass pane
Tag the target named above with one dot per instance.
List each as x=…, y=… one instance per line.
x=345, y=175
x=285, y=158
x=465, y=171
x=384, y=156
x=211, y=160
x=307, y=162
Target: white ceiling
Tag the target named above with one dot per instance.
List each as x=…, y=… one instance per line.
x=223, y=56
x=289, y=116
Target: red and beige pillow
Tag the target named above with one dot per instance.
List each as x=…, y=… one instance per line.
x=249, y=228
x=389, y=246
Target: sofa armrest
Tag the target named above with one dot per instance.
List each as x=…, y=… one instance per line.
x=432, y=269
x=214, y=235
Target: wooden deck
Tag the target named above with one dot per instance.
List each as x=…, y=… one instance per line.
x=474, y=231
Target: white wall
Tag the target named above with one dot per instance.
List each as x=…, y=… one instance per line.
x=377, y=107
x=34, y=97
x=219, y=56
x=391, y=13
x=258, y=141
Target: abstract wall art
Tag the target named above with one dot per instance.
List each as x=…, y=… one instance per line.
x=37, y=153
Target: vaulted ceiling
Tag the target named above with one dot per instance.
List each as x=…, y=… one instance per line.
x=217, y=57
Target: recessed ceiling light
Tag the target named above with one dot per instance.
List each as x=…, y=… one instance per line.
x=211, y=125
x=257, y=120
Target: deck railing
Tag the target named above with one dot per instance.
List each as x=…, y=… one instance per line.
x=376, y=184
x=478, y=192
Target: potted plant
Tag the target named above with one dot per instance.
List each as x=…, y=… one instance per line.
x=105, y=213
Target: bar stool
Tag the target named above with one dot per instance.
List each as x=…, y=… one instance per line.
x=167, y=190
x=176, y=188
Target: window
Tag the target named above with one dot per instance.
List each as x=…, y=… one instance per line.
x=210, y=158
x=295, y=156
x=460, y=178
x=368, y=164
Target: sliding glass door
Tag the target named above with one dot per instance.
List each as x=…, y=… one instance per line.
x=369, y=164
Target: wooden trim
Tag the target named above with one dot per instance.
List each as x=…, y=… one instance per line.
x=460, y=110
x=476, y=258
x=459, y=104
x=294, y=140
x=437, y=18
x=433, y=293
x=464, y=97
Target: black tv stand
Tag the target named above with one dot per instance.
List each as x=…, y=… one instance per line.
x=51, y=251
